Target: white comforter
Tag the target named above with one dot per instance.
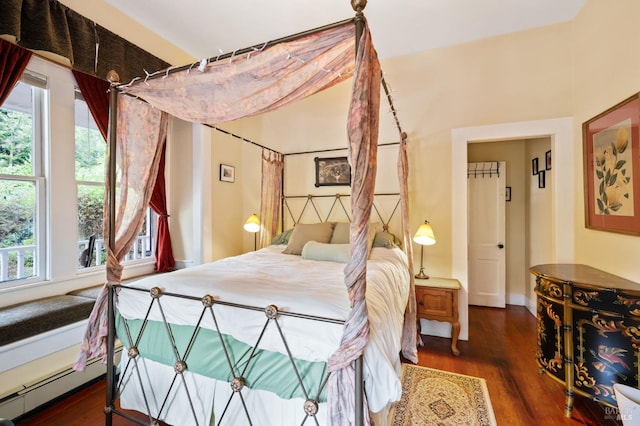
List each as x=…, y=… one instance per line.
x=295, y=285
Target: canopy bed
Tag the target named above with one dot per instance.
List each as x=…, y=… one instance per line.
x=349, y=301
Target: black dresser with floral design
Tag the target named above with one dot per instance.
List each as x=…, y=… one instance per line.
x=588, y=330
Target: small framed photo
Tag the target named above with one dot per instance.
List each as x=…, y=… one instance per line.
x=611, y=148
x=534, y=166
x=507, y=193
x=547, y=160
x=541, y=182
x=227, y=173
x=332, y=171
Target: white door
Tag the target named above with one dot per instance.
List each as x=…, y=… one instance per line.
x=486, y=220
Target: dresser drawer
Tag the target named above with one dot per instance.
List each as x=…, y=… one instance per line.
x=549, y=288
x=608, y=300
x=434, y=302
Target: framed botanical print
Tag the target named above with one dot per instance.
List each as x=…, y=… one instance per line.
x=612, y=169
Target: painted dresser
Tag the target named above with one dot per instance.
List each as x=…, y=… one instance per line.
x=588, y=330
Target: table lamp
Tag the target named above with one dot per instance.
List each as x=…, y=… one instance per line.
x=424, y=236
x=253, y=225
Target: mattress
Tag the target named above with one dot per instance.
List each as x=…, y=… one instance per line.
x=257, y=279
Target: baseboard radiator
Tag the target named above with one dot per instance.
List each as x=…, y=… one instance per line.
x=38, y=394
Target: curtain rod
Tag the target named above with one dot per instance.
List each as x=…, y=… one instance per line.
x=243, y=139
x=393, y=109
x=377, y=194
x=242, y=51
x=320, y=151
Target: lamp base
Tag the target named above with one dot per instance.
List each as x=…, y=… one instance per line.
x=421, y=275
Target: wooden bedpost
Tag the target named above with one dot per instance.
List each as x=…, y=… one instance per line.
x=114, y=79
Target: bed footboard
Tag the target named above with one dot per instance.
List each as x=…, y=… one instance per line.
x=200, y=356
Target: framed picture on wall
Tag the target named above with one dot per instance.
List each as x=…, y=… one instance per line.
x=332, y=171
x=227, y=173
x=547, y=160
x=612, y=169
x=534, y=166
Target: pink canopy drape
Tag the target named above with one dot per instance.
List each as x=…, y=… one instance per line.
x=271, y=195
x=96, y=93
x=140, y=138
x=362, y=130
x=409, y=331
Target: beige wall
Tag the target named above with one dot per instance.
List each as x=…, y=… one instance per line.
x=539, y=228
x=605, y=43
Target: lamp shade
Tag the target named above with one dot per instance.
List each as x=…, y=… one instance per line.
x=424, y=236
x=252, y=224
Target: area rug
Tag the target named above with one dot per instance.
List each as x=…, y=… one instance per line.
x=435, y=397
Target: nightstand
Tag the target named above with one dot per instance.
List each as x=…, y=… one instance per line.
x=437, y=299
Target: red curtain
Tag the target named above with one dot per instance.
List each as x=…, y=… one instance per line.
x=96, y=93
x=164, y=252
x=13, y=61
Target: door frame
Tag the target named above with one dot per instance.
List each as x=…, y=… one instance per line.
x=560, y=132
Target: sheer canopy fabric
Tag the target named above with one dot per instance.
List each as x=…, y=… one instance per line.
x=271, y=195
x=362, y=130
x=410, y=332
x=141, y=136
x=96, y=94
x=257, y=82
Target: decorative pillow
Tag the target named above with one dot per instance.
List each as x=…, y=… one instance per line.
x=305, y=232
x=385, y=239
x=341, y=233
x=314, y=250
x=283, y=237
x=373, y=230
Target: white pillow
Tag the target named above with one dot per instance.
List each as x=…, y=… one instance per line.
x=314, y=250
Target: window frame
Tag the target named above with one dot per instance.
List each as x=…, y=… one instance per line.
x=39, y=101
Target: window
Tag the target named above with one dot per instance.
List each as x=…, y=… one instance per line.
x=90, y=158
x=22, y=182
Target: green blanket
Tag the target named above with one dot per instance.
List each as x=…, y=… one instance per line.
x=267, y=370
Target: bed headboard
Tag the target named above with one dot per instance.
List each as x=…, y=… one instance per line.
x=336, y=208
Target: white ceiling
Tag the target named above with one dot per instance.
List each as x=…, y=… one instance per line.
x=204, y=28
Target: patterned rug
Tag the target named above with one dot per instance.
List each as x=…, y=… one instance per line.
x=435, y=397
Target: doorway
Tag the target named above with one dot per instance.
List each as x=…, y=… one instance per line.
x=486, y=183
x=528, y=219
x=560, y=132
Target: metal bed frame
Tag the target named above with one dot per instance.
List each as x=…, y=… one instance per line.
x=207, y=304
x=237, y=384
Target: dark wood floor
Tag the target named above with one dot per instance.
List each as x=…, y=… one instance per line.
x=501, y=350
